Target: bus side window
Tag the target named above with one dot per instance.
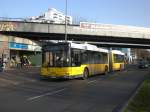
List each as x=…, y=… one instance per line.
x=84, y=57
x=76, y=61
x=99, y=60
x=46, y=59
x=105, y=58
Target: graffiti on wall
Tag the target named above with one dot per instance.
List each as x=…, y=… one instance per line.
x=8, y=26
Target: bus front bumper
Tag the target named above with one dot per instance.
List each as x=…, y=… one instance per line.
x=60, y=77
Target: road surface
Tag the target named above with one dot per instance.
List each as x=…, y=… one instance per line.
x=23, y=91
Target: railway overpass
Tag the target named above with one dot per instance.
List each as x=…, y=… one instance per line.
x=100, y=34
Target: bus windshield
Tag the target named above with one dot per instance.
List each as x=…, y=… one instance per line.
x=56, y=56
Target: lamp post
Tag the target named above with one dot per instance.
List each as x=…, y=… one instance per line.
x=66, y=6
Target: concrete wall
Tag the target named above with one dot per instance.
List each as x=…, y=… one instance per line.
x=114, y=31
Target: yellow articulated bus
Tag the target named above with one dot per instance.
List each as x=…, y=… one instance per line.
x=70, y=60
x=118, y=60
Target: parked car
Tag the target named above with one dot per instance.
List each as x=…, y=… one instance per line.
x=143, y=64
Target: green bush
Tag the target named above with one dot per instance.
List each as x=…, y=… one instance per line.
x=141, y=102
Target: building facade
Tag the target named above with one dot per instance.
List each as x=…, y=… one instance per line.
x=12, y=49
x=51, y=16
x=140, y=54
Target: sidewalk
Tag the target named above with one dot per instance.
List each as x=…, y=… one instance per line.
x=24, y=68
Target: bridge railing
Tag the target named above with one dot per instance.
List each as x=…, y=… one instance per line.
x=11, y=19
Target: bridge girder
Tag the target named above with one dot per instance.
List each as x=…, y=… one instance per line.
x=75, y=33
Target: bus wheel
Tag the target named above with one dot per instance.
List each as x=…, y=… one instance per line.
x=85, y=74
x=106, y=70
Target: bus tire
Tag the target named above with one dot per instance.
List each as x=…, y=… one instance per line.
x=85, y=73
x=106, y=70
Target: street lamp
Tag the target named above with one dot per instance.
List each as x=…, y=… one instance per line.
x=66, y=6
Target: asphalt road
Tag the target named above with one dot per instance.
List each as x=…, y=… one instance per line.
x=23, y=91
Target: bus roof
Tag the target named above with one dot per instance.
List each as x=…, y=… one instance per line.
x=88, y=47
x=118, y=52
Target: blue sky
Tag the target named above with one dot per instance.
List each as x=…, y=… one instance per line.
x=123, y=12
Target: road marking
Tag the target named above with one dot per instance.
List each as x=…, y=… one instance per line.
x=91, y=81
x=7, y=81
x=22, y=77
x=46, y=94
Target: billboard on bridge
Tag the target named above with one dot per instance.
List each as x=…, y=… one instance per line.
x=113, y=27
x=94, y=25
